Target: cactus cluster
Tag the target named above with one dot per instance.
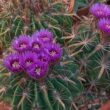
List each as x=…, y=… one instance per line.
x=64, y=78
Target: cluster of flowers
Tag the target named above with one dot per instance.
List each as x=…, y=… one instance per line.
x=102, y=13
x=33, y=55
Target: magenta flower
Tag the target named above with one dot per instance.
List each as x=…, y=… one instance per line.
x=28, y=59
x=54, y=51
x=43, y=57
x=38, y=70
x=44, y=35
x=104, y=25
x=12, y=63
x=33, y=54
x=100, y=10
x=36, y=45
x=21, y=43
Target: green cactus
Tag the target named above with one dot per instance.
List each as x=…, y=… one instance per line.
x=82, y=72
x=26, y=16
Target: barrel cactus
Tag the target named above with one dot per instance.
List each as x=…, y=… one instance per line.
x=22, y=23
x=48, y=64
x=37, y=77
x=24, y=17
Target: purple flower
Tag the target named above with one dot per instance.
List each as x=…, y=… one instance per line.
x=100, y=10
x=43, y=57
x=28, y=59
x=44, y=35
x=12, y=62
x=54, y=51
x=21, y=43
x=104, y=25
x=35, y=44
x=38, y=70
